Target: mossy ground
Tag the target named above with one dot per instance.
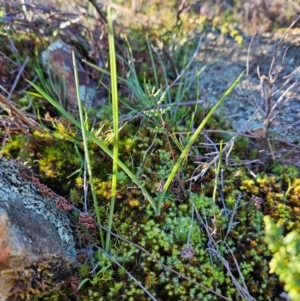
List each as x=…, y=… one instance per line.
x=234, y=219
x=220, y=217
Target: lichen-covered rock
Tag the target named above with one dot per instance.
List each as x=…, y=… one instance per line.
x=37, y=248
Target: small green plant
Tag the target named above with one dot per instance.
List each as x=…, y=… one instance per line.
x=286, y=256
x=90, y=136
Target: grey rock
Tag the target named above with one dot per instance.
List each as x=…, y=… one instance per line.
x=34, y=235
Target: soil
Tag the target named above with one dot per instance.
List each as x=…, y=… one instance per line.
x=225, y=60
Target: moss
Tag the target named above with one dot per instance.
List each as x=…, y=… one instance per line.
x=42, y=280
x=245, y=238
x=14, y=146
x=235, y=221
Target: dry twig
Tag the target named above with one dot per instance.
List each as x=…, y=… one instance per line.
x=19, y=117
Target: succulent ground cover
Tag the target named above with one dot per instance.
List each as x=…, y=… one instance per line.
x=159, y=213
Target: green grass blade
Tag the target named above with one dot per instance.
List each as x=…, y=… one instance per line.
x=152, y=63
x=114, y=92
x=86, y=149
x=192, y=140
x=99, y=143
